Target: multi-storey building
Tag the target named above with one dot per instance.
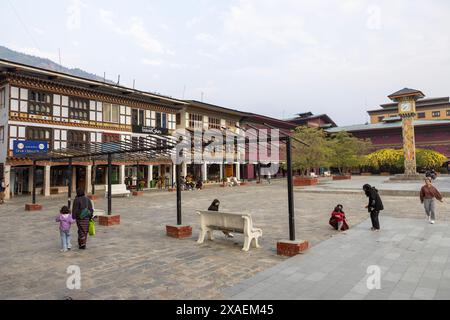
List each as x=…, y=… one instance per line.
x=426, y=109
x=200, y=117
x=71, y=112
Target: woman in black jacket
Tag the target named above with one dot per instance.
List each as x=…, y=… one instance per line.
x=82, y=216
x=375, y=205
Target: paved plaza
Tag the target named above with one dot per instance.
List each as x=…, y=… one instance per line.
x=136, y=260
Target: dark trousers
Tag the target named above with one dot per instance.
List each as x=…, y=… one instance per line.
x=374, y=218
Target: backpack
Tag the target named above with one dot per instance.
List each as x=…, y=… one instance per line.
x=85, y=213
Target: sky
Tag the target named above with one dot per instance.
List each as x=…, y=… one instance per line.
x=274, y=57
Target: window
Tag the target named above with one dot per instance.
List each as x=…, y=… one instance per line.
x=16, y=133
x=195, y=121
x=96, y=111
x=214, y=123
x=380, y=118
x=137, y=117
x=79, y=109
x=110, y=112
x=164, y=120
x=60, y=108
x=436, y=114
x=178, y=118
x=158, y=119
x=111, y=137
x=59, y=139
x=2, y=98
x=19, y=100
x=78, y=140
x=448, y=113
x=39, y=134
x=39, y=103
x=172, y=121
x=126, y=115
x=2, y=134
x=421, y=115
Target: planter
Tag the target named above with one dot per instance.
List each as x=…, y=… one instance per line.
x=304, y=181
x=138, y=193
x=366, y=174
x=342, y=177
x=386, y=174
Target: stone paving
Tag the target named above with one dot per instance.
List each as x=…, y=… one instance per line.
x=412, y=256
x=136, y=260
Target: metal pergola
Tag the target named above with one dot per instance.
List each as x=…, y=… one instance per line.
x=150, y=148
x=144, y=149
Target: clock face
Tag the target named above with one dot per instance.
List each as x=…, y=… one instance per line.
x=406, y=106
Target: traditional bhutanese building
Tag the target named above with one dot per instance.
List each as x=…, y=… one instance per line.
x=68, y=111
x=432, y=126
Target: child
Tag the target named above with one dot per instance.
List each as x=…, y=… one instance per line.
x=337, y=220
x=65, y=221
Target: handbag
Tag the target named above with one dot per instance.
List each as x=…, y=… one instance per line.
x=91, y=228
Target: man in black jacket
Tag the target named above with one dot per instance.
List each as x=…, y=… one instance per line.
x=375, y=205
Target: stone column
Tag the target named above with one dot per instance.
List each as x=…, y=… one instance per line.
x=221, y=171
x=149, y=175
x=47, y=170
x=205, y=171
x=7, y=181
x=238, y=171
x=88, y=179
x=122, y=174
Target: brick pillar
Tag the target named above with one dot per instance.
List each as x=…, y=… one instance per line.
x=47, y=181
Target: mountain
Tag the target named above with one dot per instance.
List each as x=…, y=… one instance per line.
x=11, y=55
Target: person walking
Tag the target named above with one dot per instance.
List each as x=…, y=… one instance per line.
x=428, y=196
x=82, y=211
x=65, y=220
x=375, y=205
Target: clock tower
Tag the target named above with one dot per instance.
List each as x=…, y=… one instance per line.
x=406, y=99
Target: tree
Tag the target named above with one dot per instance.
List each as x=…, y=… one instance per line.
x=348, y=151
x=317, y=154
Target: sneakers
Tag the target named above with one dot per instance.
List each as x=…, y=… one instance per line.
x=63, y=250
x=432, y=221
x=428, y=218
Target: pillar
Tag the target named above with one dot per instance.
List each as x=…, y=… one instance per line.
x=7, y=172
x=174, y=171
x=30, y=180
x=122, y=174
x=205, y=171
x=74, y=179
x=88, y=179
x=47, y=181
x=184, y=169
x=238, y=171
x=149, y=175
x=221, y=171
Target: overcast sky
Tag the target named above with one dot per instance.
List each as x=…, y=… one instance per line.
x=275, y=57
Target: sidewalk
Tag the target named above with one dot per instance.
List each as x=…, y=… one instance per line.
x=412, y=256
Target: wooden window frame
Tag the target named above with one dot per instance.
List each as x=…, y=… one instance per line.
x=75, y=109
x=40, y=103
x=32, y=137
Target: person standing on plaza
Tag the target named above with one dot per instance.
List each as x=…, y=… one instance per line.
x=65, y=220
x=3, y=187
x=428, y=196
x=82, y=211
x=375, y=205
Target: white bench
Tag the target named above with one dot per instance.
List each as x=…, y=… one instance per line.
x=117, y=189
x=231, y=222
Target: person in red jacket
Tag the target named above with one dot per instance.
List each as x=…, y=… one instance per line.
x=337, y=220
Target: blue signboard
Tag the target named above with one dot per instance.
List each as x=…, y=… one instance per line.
x=29, y=147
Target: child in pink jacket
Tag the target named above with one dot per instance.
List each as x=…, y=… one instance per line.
x=65, y=222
